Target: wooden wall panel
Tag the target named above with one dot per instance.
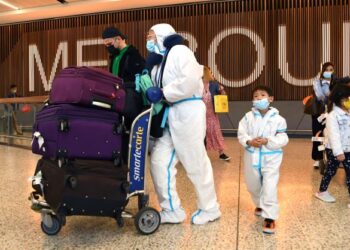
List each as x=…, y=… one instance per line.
x=239, y=26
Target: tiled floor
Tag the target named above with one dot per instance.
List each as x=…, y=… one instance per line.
x=305, y=223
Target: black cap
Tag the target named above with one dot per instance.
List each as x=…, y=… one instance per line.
x=111, y=32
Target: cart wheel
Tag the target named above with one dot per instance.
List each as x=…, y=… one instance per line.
x=120, y=221
x=147, y=220
x=51, y=226
x=143, y=201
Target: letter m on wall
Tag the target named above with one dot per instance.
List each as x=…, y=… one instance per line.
x=34, y=56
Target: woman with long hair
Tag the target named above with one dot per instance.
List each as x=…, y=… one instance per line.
x=321, y=86
x=214, y=138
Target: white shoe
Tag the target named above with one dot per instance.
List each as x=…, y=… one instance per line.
x=325, y=196
x=201, y=217
x=173, y=217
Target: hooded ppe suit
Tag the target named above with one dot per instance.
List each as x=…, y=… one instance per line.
x=183, y=138
x=262, y=164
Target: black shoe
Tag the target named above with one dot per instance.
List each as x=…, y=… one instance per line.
x=224, y=157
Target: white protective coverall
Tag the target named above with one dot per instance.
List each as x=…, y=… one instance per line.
x=183, y=138
x=262, y=164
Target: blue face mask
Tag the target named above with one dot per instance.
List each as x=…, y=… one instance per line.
x=151, y=46
x=261, y=104
x=327, y=74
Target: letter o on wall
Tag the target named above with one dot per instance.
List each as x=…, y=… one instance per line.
x=259, y=64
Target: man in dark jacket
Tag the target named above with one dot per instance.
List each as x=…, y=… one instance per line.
x=125, y=62
x=13, y=94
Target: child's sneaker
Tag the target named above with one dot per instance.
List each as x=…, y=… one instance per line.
x=269, y=226
x=325, y=196
x=258, y=211
x=316, y=165
x=224, y=157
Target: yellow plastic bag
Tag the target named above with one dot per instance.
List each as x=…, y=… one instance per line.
x=221, y=104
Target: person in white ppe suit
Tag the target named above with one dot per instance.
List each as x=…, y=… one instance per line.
x=262, y=132
x=184, y=132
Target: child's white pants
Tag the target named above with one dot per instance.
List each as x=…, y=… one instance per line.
x=262, y=182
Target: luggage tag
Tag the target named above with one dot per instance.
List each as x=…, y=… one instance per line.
x=40, y=140
x=317, y=138
x=321, y=148
x=322, y=118
x=36, y=180
x=221, y=104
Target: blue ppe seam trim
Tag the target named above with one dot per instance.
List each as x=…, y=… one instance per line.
x=281, y=130
x=169, y=193
x=166, y=112
x=265, y=152
x=188, y=99
x=196, y=214
x=165, y=117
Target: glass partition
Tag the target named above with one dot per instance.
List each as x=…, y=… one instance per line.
x=17, y=116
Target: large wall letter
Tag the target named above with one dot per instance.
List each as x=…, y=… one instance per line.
x=259, y=65
x=90, y=42
x=193, y=44
x=34, y=54
x=282, y=58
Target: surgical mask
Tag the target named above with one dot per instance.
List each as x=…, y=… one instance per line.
x=112, y=50
x=327, y=74
x=151, y=46
x=261, y=104
x=346, y=104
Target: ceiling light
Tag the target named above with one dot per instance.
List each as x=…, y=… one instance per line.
x=9, y=5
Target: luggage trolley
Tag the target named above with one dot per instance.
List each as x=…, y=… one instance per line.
x=147, y=219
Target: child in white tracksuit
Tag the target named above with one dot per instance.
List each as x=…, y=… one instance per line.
x=338, y=147
x=262, y=132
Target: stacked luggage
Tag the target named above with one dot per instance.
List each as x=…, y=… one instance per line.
x=80, y=133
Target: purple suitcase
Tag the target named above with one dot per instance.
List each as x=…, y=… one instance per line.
x=69, y=132
x=89, y=87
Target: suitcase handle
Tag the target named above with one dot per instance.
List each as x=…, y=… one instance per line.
x=102, y=105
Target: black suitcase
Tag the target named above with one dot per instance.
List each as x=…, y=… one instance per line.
x=83, y=187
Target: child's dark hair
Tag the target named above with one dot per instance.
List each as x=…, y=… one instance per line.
x=336, y=96
x=263, y=88
x=13, y=86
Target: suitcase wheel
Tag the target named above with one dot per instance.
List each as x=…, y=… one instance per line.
x=118, y=128
x=51, y=224
x=73, y=182
x=64, y=126
x=120, y=221
x=147, y=220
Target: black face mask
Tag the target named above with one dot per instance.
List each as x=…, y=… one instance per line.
x=112, y=50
